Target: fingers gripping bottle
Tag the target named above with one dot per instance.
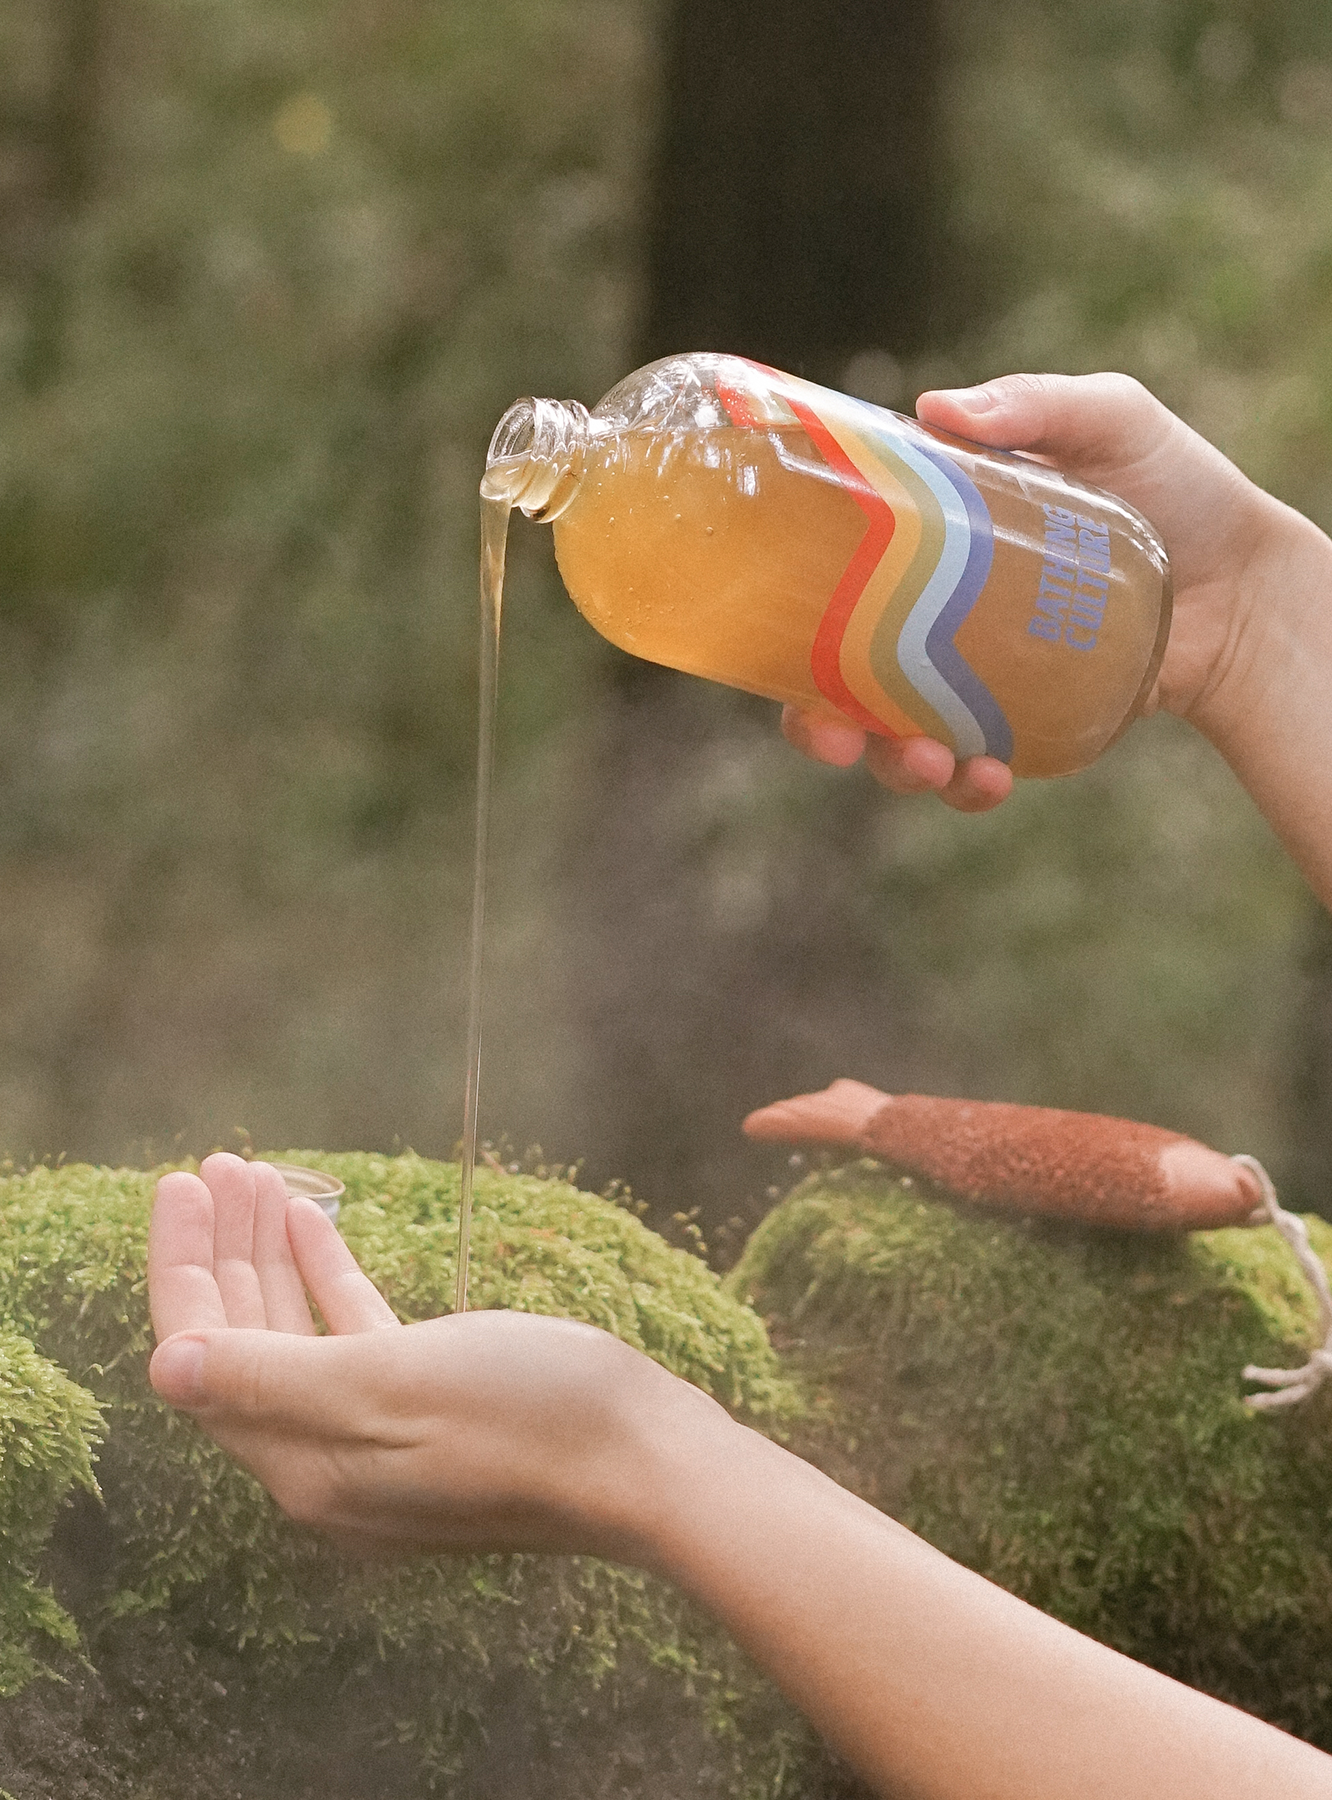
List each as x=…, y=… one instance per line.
x=724, y=519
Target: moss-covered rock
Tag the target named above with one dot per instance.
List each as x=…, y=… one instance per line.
x=194, y=1543
x=48, y=1426
x=1062, y=1410
x=1059, y=1409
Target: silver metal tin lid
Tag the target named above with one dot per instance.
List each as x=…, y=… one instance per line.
x=312, y=1184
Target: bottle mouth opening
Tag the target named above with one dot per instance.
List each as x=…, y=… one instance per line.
x=535, y=457
x=515, y=434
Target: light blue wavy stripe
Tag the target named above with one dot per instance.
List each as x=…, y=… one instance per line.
x=912, y=644
x=941, y=645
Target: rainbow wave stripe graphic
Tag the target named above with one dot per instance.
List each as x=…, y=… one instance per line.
x=885, y=652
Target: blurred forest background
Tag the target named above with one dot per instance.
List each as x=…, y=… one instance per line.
x=270, y=272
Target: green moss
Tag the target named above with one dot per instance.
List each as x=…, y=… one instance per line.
x=1058, y=1409
x=547, y=1247
x=1062, y=1410
x=197, y=1540
x=48, y=1426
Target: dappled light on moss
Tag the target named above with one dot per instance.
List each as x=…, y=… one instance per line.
x=1062, y=1410
x=48, y=1427
x=201, y=1552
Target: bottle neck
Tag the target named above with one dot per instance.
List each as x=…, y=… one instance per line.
x=535, y=460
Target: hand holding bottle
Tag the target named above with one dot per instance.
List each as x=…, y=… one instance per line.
x=1249, y=634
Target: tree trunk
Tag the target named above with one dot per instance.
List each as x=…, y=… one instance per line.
x=721, y=959
x=48, y=142
x=796, y=208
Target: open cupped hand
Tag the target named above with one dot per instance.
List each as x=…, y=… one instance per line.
x=489, y=1430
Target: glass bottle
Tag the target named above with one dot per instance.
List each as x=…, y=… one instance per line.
x=725, y=519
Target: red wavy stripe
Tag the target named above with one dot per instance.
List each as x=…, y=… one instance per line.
x=825, y=657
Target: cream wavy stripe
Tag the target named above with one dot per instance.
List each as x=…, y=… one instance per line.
x=912, y=652
x=965, y=730
x=857, y=670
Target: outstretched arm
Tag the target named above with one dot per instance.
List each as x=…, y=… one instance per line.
x=507, y=1431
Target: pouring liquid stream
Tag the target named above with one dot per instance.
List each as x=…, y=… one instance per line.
x=494, y=538
x=802, y=545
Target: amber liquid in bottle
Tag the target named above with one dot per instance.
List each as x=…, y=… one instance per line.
x=717, y=552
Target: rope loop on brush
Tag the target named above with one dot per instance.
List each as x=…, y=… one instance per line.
x=1292, y=1385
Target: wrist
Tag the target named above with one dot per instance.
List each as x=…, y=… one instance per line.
x=1265, y=705
x=1277, y=622
x=642, y=1496
x=728, y=1506
x=694, y=1455
x=1278, y=644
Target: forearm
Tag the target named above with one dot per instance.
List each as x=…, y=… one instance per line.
x=930, y=1680
x=1269, y=709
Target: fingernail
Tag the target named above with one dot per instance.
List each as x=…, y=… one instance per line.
x=177, y=1371
x=974, y=399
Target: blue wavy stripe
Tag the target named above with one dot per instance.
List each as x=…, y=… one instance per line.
x=913, y=658
x=939, y=645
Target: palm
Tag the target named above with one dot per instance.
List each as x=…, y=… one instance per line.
x=495, y=1430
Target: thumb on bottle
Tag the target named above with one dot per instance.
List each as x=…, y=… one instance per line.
x=1085, y=421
